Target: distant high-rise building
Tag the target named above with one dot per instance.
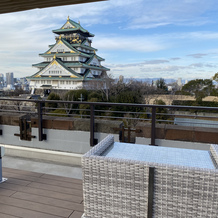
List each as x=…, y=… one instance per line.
x=2, y=82
x=121, y=79
x=179, y=82
x=10, y=79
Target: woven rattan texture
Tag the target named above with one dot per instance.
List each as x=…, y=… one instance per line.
x=119, y=188
x=214, y=152
x=185, y=192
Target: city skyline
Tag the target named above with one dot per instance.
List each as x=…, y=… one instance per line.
x=139, y=39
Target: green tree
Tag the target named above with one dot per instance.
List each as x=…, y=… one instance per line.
x=161, y=84
x=215, y=77
x=53, y=96
x=160, y=111
x=74, y=95
x=199, y=88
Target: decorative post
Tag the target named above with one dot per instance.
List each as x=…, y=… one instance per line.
x=81, y=99
x=92, y=125
x=40, y=134
x=2, y=151
x=153, y=122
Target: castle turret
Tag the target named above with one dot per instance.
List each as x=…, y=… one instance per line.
x=70, y=63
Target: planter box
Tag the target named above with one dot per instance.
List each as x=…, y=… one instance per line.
x=129, y=180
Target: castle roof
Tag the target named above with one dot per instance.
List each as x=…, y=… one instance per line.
x=72, y=64
x=56, y=61
x=72, y=26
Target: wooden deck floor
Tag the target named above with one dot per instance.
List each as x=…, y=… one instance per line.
x=29, y=195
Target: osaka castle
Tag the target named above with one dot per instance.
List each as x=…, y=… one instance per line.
x=70, y=63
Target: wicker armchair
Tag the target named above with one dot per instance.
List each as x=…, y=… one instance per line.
x=115, y=187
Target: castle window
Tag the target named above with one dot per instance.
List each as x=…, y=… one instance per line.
x=64, y=58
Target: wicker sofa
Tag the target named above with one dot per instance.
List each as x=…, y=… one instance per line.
x=115, y=187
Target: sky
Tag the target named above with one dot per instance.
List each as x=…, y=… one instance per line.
x=137, y=38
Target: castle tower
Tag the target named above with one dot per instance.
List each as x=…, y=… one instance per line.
x=71, y=62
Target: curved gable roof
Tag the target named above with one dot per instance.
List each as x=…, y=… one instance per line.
x=76, y=27
x=61, y=64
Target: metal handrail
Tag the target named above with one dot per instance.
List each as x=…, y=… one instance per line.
x=40, y=107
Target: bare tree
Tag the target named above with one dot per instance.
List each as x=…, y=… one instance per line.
x=102, y=84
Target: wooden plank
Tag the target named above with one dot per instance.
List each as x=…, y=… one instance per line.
x=60, y=183
x=61, y=212
x=56, y=188
x=19, y=176
x=76, y=214
x=6, y=192
x=24, y=213
x=42, y=192
x=49, y=201
x=7, y=216
x=16, y=178
x=60, y=178
x=17, y=181
x=22, y=172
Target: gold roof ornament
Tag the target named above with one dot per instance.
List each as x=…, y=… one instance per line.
x=60, y=37
x=68, y=18
x=54, y=57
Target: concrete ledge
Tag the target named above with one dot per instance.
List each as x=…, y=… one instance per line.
x=44, y=155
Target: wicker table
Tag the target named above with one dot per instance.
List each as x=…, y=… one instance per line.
x=128, y=180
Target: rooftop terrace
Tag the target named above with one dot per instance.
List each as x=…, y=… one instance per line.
x=30, y=194
x=37, y=189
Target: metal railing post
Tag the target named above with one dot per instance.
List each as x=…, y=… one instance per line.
x=92, y=125
x=40, y=134
x=153, y=122
x=1, y=155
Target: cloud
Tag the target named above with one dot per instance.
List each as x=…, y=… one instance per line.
x=156, y=62
x=175, y=59
x=28, y=33
x=201, y=65
x=150, y=62
x=197, y=65
x=127, y=43
x=199, y=55
x=165, y=70
x=152, y=14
